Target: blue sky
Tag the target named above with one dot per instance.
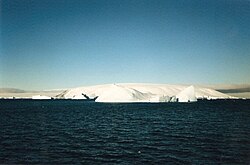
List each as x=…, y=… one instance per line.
x=56, y=44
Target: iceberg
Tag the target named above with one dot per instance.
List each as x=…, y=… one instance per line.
x=132, y=92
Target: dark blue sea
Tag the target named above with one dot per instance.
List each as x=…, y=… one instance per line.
x=76, y=132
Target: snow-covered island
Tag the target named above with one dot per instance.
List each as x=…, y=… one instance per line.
x=144, y=93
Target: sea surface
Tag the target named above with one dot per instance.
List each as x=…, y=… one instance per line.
x=76, y=132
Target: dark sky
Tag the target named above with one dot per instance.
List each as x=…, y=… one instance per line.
x=57, y=43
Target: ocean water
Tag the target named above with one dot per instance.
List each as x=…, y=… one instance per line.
x=75, y=132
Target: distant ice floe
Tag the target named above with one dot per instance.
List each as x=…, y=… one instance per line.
x=144, y=93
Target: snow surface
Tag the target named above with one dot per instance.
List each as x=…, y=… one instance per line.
x=143, y=93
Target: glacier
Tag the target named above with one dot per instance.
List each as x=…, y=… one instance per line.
x=134, y=92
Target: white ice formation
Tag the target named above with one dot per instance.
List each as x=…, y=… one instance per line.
x=143, y=93
x=40, y=97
